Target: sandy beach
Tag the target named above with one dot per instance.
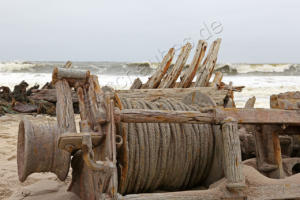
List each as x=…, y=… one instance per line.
x=37, y=186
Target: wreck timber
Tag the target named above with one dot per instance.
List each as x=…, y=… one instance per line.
x=133, y=143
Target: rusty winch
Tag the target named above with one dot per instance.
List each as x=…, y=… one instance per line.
x=128, y=145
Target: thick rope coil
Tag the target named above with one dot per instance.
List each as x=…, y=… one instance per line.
x=167, y=156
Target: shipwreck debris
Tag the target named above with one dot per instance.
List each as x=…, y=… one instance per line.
x=161, y=137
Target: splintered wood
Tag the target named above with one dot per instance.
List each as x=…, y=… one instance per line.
x=209, y=64
x=155, y=79
x=170, y=78
x=188, y=76
x=167, y=76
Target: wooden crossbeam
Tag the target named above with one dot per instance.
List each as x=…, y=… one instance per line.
x=243, y=116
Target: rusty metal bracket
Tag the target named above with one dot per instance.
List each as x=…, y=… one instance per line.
x=88, y=157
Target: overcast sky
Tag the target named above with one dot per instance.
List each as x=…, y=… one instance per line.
x=256, y=31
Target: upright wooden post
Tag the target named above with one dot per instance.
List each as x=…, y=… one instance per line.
x=111, y=148
x=277, y=159
x=232, y=155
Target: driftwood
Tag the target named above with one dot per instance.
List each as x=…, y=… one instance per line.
x=24, y=108
x=287, y=101
x=137, y=84
x=19, y=92
x=170, y=78
x=189, y=74
x=208, y=66
x=155, y=79
x=29, y=91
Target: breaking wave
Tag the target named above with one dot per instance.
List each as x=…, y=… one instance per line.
x=272, y=69
x=145, y=68
x=16, y=66
x=113, y=68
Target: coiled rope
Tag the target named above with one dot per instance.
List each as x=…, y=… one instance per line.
x=165, y=156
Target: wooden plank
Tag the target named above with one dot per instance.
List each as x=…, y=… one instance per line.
x=209, y=64
x=64, y=107
x=232, y=155
x=155, y=79
x=163, y=116
x=263, y=116
x=177, y=93
x=189, y=74
x=243, y=116
x=96, y=102
x=170, y=78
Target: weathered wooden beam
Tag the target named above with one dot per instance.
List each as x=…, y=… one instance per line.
x=72, y=76
x=64, y=107
x=162, y=116
x=242, y=115
x=155, y=79
x=49, y=95
x=189, y=74
x=232, y=155
x=177, y=93
x=170, y=78
x=276, y=157
x=209, y=64
x=263, y=116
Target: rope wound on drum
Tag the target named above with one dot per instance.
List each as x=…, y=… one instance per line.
x=167, y=156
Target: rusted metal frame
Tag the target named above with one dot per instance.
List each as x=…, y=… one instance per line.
x=72, y=142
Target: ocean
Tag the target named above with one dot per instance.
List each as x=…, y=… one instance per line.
x=260, y=80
